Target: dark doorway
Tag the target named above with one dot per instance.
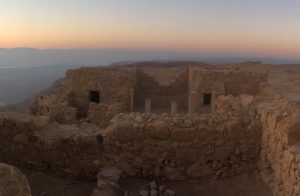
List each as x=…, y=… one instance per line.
x=95, y=96
x=206, y=99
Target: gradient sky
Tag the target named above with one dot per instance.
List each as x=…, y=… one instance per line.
x=240, y=27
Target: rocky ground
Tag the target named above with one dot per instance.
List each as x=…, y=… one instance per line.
x=247, y=185
x=43, y=184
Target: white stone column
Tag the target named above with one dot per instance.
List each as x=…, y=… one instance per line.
x=192, y=102
x=148, y=105
x=174, y=107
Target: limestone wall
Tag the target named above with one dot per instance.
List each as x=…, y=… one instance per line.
x=126, y=89
x=279, y=158
x=179, y=147
x=149, y=145
x=35, y=143
x=113, y=83
x=162, y=93
x=55, y=108
x=42, y=105
x=261, y=130
x=221, y=82
x=101, y=114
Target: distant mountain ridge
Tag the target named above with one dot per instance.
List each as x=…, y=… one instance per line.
x=32, y=57
x=18, y=84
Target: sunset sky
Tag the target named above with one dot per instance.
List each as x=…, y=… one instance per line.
x=240, y=27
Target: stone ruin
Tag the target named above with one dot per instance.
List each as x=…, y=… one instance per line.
x=163, y=123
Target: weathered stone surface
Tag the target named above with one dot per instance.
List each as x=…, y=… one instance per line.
x=109, y=174
x=172, y=173
x=183, y=134
x=13, y=182
x=129, y=144
x=235, y=129
x=158, y=129
x=279, y=158
x=246, y=100
x=198, y=171
x=144, y=193
x=108, y=182
x=293, y=129
x=124, y=133
x=227, y=104
x=106, y=192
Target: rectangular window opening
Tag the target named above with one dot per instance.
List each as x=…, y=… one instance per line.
x=95, y=96
x=206, y=99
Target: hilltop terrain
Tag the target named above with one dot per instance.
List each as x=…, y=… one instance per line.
x=163, y=128
x=20, y=85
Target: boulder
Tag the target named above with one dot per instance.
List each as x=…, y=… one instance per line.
x=13, y=182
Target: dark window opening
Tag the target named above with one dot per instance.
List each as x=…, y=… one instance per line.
x=95, y=96
x=206, y=99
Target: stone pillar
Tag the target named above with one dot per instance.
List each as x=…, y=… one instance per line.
x=173, y=107
x=131, y=100
x=192, y=102
x=148, y=105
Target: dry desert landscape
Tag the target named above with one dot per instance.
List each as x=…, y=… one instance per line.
x=157, y=129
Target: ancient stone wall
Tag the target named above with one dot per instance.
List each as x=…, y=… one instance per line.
x=220, y=82
x=141, y=89
x=42, y=105
x=242, y=132
x=114, y=85
x=161, y=93
x=35, y=143
x=179, y=147
x=279, y=158
x=173, y=147
x=55, y=108
x=101, y=114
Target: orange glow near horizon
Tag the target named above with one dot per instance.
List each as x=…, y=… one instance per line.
x=144, y=41
x=106, y=28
